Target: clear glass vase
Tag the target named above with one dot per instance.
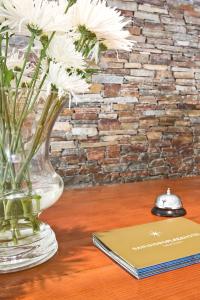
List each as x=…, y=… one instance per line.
x=28, y=182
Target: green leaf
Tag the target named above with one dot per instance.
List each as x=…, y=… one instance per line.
x=8, y=76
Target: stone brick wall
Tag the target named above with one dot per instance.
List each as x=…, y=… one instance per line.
x=142, y=117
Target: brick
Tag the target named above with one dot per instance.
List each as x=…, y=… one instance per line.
x=167, y=121
x=175, y=28
x=169, y=48
x=96, y=154
x=184, y=75
x=185, y=37
x=138, y=39
x=182, y=43
x=129, y=126
x=97, y=144
x=186, y=89
x=182, y=123
x=129, y=90
x=117, y=72
x=160, y=58
x=175, y=112
x=148, y=123
x=157, y=113
x=181, y=140
x=139, y=57
x=155, y=67
x=108, y=116
x=135, y=30
x=132, y=65
x=105, y=78
x=192, y=20
x=192, y=11
x=84, y=131
x=114, y=65
x=62, y=126
x=125, y=99
x=85, y=110
x=153, y=40
x=115, y=168
x=148, y=99
x=110, y=138
x=141, y=118
x=157, y=162
x=106, y=59
x=142, y=73
x=59, y=146
x=155, y=33
x=197, y=75
x=181, y=69
x=88, y=98
x=131, y=6
x=152, y=9
x=164, y=74
x=185, y=82
x=128, y=120
x=164, y=170
x=193, y=113
x=112, y=90
x=154, y=136
x=66, y=112
x=172, y=21
x=122, y=133
x=123, y=107
x=147, y=16
x=96, y=88
x=113, y=151
x=107, y=124
x=85, y=116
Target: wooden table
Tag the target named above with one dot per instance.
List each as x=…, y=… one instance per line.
x=80, y=271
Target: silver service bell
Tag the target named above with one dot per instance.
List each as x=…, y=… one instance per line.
x=168, y=205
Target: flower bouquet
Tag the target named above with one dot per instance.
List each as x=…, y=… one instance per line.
x=60, y=39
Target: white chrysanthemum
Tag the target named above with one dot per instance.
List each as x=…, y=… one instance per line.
x=105, y=22
x=62, y=50
x=41, y=15
x=15, y=60
x=58, y=77
x=2, y=19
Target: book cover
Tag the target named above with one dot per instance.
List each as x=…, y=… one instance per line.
x=152, y=248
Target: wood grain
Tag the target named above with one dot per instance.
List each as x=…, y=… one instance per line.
x=80, y=271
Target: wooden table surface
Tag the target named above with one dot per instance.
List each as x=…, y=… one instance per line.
x=80, y=271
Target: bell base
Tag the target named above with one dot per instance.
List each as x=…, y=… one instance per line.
x=167, y=212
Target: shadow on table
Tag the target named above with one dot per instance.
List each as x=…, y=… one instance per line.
x=72, y=244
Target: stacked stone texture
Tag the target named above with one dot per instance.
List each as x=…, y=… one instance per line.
x=141, y=119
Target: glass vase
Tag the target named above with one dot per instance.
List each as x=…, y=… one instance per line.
x=28, y=182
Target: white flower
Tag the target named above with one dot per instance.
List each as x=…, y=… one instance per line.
x=15, y=60
x=2, y=19
x=65, y=83
x=105, y=22
x=62, y=50
x=39, y=15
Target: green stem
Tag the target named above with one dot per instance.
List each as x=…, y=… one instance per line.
x=36, y=139
x=31, y=42
x=28, y=101
x=6, y=49
x=38, y=92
